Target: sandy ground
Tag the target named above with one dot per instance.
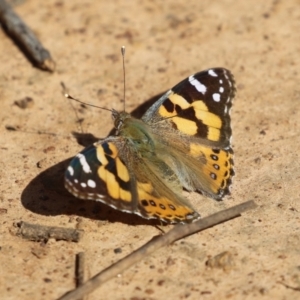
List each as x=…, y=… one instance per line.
x=166, y=41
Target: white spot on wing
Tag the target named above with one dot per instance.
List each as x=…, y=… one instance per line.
x=212, y=73
x=197, y=84
x=221, y=89
x=229, y=82
x=71, y=170
x=76, y=180
x=91, y=183
x=216, y=97
x=83, y=184
x=85, y=166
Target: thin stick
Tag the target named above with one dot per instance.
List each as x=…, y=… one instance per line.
x=178, y=232
x=36, y=232
x=25, y=38
x=79, y=269
x=66, y=94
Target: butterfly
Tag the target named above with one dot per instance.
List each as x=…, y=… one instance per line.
x=182, y=141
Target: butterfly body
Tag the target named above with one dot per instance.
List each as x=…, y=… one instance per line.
x=182, y=141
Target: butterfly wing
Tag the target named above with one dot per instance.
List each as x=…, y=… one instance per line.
x=198, y=107
x=96, y=173
x=111, y=172
x=193, y=120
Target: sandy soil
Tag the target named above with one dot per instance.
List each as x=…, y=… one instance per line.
x=166, y=41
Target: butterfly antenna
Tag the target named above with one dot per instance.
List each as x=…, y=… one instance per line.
x=124, y=74
x=67, y=95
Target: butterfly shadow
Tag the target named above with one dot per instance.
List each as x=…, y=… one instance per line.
x=46, y=194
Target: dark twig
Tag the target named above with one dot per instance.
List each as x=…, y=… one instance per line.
x=79, y=269
x=289, y=286
x=25, y=38
x=178, y=232
x=35, y=232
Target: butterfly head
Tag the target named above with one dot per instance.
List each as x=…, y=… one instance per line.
x=119, y=119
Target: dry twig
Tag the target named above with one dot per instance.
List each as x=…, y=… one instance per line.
x=25, y=38
x=79, y=269
x=178, y=232
x=35, y=232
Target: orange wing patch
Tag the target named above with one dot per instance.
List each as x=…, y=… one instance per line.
x=163, y=208
x=218, y=167
x=113, y=177
x=176, y=104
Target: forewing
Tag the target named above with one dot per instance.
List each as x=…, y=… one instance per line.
x=99, y=173
x=197, y=107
